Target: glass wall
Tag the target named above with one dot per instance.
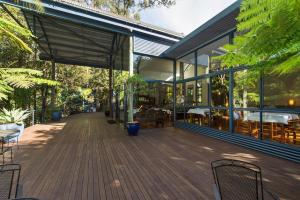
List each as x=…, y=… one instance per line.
x=153, y=68
x=282, y=91
x=155, y=103
x=187, y=66
x=239, y=100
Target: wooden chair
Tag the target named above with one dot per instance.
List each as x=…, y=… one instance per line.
x=235, y=180
x=273, y=131
x=242, y=126
x=293, y=131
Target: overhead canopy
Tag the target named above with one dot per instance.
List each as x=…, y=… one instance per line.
x=223, y=23
x=72, y=34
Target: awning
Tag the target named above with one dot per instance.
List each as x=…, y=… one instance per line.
x=72, y=34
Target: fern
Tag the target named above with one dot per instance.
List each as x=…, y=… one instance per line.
x=268, y=36
x=21, y=78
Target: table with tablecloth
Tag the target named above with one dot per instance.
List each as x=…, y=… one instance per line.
x=280, y=118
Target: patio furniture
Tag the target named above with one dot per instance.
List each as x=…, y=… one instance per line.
x=5, y=137
x=238, y=180
x=9, y=180
x=293, y=131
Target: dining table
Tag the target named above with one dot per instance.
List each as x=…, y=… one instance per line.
x=279, y=119
x=199, y=111
x=5, y=136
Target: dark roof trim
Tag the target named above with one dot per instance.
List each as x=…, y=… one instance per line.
x=206, y=25
x=207, y=43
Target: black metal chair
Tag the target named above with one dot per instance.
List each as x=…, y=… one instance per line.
x=238, y=180
x=9, y=180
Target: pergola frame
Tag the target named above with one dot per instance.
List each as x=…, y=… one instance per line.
x=75, y=35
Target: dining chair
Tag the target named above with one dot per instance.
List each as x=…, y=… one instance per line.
x=293, y=131
x=235, y=180
x=9, y=180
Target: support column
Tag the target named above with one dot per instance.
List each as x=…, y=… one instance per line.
x=111, y=110
x=261, y=103
x=174, y=92
x=231, y=114
x=53, y=92
x=130, y=95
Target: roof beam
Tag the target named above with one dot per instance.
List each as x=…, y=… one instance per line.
x=46, y=37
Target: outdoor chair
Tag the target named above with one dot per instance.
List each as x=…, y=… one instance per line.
x=159, y=118
x=9, y=180
x=236, y=180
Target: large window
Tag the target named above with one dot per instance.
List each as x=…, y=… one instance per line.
x=153, y=68
x=202, y=86
x=265, y=106
x=187, y=66
x=282, y=91
x=246, y=89
x=220, y=90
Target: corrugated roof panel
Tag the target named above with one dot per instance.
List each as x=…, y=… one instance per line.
x=149, y=47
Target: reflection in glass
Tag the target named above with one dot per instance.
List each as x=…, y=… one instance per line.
x=204, y=56
x=190, y=93
x=187, y=65
x=202, y=92
x=202, y=64
x=246, y=122
x=282, y=91
x=153, y=68
x=220, y=119
x=220, y=90
x=157, y=95
x=179, y=101
x=198, y=116
x=246, y=89
x=281, y=127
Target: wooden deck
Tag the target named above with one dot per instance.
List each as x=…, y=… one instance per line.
x=87, y=158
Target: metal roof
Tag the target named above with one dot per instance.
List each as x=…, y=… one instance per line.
x=81, y=36
x=219, y=25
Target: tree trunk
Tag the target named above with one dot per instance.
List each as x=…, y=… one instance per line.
x=53, y=89
x=44, y=103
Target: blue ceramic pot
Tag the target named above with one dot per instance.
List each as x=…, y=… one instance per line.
x=56, y=115
x=133, y=128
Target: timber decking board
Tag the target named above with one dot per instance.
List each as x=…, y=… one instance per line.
x=86, y=158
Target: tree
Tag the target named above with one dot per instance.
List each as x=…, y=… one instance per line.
x=128, y=8
x=268, y=36
x=15, y=45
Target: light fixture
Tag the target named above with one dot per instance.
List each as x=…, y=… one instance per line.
x=291, y=102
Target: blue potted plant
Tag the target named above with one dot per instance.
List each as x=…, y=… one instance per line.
x=56, y=114
x=134, y=85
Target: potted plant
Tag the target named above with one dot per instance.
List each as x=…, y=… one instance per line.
x=13, y=119
x=56, y=114
x=134, y=85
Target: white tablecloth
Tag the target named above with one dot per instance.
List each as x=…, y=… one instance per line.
x=164, y=110
x=282, y=118
x=200, y=111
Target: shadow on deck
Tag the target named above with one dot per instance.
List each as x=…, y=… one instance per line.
x=87, y=158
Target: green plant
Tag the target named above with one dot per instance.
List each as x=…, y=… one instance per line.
x=268, y=36
x=138, y=84
x=13, y=116
x=134, y=85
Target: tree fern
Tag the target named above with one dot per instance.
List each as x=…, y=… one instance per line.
x=268, y=36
